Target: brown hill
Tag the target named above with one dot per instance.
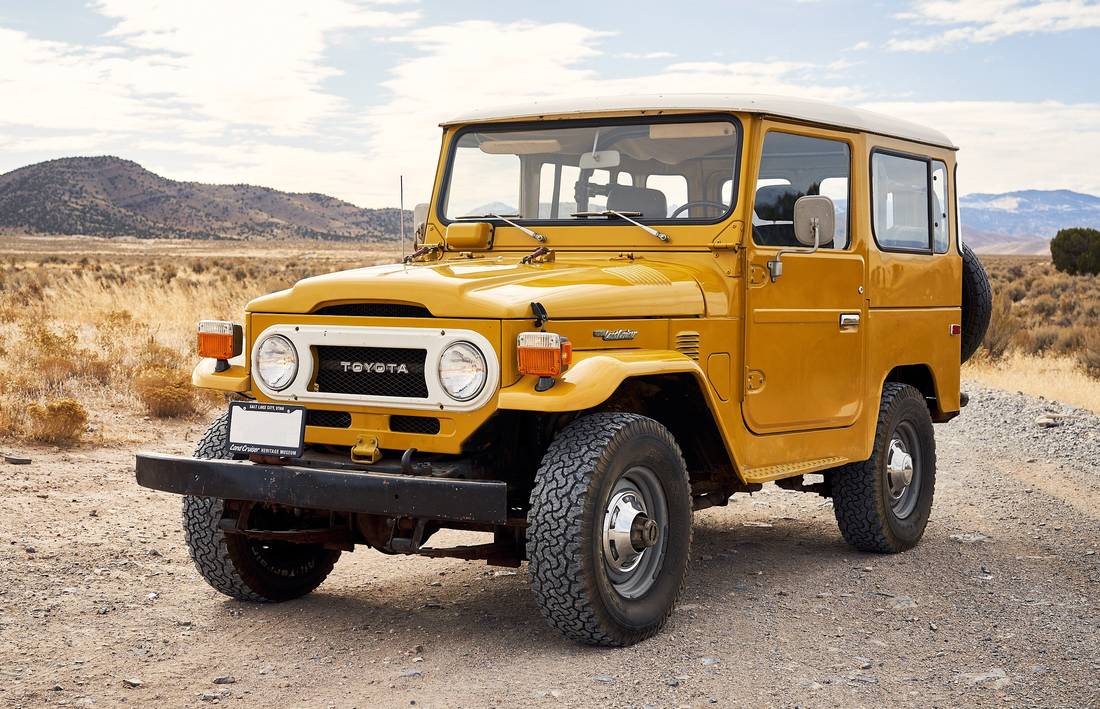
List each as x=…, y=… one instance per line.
x=109, y=196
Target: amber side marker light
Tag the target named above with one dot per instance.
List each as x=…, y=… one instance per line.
x=543, y=354
x=220, y=340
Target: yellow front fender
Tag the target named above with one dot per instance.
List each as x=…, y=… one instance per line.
x=235, y=378
x=594, y=377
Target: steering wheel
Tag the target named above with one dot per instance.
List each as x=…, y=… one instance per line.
x=698, y=203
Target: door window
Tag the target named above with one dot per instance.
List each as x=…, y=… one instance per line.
x=793, y=166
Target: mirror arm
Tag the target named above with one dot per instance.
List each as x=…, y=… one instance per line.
x=775, y=266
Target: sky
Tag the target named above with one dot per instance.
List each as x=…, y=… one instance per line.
x=343, y=96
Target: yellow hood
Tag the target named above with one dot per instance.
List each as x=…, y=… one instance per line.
x=495, y=288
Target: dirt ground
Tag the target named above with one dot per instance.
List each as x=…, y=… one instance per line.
x=997, y=606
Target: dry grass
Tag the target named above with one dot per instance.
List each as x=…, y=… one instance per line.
x=108, y=325
x=1038, y=310
x=1052, y=377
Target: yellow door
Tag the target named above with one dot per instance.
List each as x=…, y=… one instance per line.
x=804, y=341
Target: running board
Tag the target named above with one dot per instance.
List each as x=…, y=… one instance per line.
x=767, y=473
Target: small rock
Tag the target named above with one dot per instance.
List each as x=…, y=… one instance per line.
x=225, y=679
x=865, y=663
x=866, y=679
x=209, y=697
x=152, y=596
x=412, y=673
x=57, y=688
x=969, y=538
x=93, y=513
x=1090, y=552
x=31, y=550
x=1032, y=460
x=672, y=682
x=710, y=661
x=902, y=603
x=763, y=525
x=132, y=682
x=867, y=568
x=505, y=573
x=995, y=678
x=933, y=627
x=16, y=460
x=604, y=679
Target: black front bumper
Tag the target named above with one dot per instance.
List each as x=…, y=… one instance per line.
x=420, y=496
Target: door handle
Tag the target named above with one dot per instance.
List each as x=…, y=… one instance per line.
x=849, y=321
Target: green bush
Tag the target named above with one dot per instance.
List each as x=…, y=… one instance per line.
x=1076, y=251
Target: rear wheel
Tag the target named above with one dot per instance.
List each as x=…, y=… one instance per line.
x=883, y=504
x=247, y=569
x=609, y=530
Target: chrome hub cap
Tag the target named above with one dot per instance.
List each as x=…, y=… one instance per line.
x=623, y=538
x=633, y=532
x=902, y=465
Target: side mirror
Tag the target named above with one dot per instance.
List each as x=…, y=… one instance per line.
x=814, y=220
x=814, y=225
x=420, y=222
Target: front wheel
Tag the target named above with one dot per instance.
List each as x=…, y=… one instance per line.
x=883, y=504
x=609, y=532
x=243, y=568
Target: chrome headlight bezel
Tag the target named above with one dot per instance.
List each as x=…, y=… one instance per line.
x=482, y=371
x=258, y=365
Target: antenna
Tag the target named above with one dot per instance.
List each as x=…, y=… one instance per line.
x=401, y=212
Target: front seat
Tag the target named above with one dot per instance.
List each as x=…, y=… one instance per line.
x=775, y=203
x=651, y=203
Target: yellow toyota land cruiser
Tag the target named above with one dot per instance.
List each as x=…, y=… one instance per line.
x=618, y=312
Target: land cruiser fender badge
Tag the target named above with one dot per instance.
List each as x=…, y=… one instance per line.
x=614, y=335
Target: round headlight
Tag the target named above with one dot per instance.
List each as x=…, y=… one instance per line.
x=276, y=362
x=462, y=371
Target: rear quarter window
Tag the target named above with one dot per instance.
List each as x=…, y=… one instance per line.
x=900, y=202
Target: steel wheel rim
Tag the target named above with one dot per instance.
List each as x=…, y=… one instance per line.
x=635, y=514
x=903, y=466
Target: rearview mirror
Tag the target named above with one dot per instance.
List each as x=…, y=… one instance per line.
x=814, y=220
x=604, y=159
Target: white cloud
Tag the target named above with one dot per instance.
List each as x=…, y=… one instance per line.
x=1007, y=145
x=647, y=55
x=984, y=21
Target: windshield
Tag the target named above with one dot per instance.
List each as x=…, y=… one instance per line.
x=680, y=170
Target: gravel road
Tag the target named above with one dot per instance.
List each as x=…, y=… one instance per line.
x=99, y=604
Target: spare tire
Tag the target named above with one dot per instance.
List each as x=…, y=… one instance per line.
x=977, y=302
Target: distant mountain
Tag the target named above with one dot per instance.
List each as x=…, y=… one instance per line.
x=109, y=196
x=1024, y=222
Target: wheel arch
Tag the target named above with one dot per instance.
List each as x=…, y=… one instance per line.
x=664, y=385
x=921, y=377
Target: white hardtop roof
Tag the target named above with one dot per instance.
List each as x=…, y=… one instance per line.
x=800, y=109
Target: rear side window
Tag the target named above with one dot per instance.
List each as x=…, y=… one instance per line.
x=900, y=202
x=941, y=202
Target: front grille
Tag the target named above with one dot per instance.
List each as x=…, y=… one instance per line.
x=328, y=419
x=414, y=424
x=371, y=371
x=376, y=310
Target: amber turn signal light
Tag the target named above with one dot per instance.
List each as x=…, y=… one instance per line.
x=543, y=354
x=220, y=340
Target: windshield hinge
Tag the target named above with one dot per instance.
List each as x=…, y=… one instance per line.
x=542, y=254
x=423, y=253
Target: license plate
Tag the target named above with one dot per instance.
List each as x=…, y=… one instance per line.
x=266, y=429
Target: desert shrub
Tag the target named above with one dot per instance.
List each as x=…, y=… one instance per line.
x=58, y=421
x=1016, y=292
x=1076, y=251
x=1040, y=339
x=1044, y=305
x=1003, y=327
x=166, y=392
x=1089, y=354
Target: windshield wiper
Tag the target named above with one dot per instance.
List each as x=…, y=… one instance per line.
x=627, y=217
x=504, y=218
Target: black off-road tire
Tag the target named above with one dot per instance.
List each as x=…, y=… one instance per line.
x=564, y=541
x=861, y=496
x=243, y=569
x=977, y=303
